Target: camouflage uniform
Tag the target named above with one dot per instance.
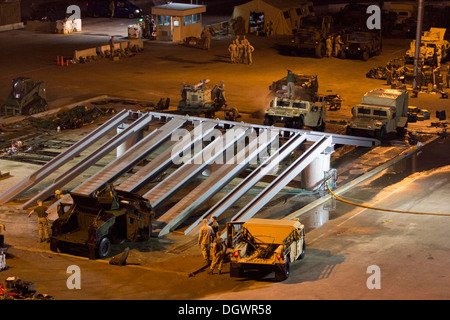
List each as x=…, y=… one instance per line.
x=218, y=253
x=205, y=238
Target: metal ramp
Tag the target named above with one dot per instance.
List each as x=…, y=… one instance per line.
x=252, y=179
x=65, y=156
x=164, y=160
x=92, y=158
x=199, y=162
x=130, y=158
x=283, y=179
x=213, y=184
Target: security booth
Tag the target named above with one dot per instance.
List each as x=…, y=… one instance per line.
x=177, y=21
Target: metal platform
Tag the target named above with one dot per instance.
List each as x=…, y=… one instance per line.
x=146, y=162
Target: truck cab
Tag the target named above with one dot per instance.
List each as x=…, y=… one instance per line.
x=265, y=244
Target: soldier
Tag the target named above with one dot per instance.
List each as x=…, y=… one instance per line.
x=329, y=46
x=290, y=79
x=244, y=41
x=389, y=73
x=448, y=76
x=214, y=225
x=240, y=52
x=232, y=50
x=205, y=237
x=438, y=57
x=422, y=53
x=218, y=252
x=42, y=212
x=207, y=38
x=337, y=45
x=249, y=53
x=112, y=8
x=111, y=46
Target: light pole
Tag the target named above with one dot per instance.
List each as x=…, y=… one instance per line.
x=418, y=42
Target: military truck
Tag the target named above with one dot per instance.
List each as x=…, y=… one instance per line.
x=26, y=98
x=430, y=40
x=265, y=244
x=200, y=99
x=361, y=44
x=296, y=113
x=91, y=224
x=311, y=35
x=381, y=111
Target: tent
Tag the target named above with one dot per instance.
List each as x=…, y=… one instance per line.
x=283, y=15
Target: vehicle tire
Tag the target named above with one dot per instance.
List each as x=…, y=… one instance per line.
x=342, y=54
x=268, y=121
x=235, y=270
x=298, y=123
x=282, y=273
x=401, y=131
x=321, y=127
x=379, y=134
x=319, y=50
x=103, y=248
x=131, y=16
x=349, y=131
x=365, y=55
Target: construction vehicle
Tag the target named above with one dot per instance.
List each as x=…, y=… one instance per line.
x=265, y=244
x=202, y=100
x=26, y=98
x=361, y=44
x=305, y=108
x=430, y=40
x=311, y=35
x=381, y=111
x=91, y=224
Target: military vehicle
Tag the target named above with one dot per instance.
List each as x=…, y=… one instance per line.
x=297, y=113
x=430, y=40
x=265, y=244
x=92, y=223
x=202, y=100
x=306, y=108
x=381, y=111
x=361, y=44
x=311, y=35
x=26, y=98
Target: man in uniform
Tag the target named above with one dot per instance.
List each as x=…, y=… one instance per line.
x=438, y=57
x=232, y=50
x=218, y=252
x=207, y=38
x=42, y=213
x=329, y=46
x=249, y=53
x=240, y=51
x=337, y=45
x=205, y=238
x=214, y=225
x=290, y=79
x=111, y=46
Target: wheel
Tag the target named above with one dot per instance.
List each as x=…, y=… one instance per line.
x=379, y=134
x=401, y=131
x=268, y=121
x=235, y=270
x=365, y=55
x=349, y=131
x=282, y=273
x=319, y=50
x=321, y=127
x=103, y=248
x=298, y=123
x=342, y=54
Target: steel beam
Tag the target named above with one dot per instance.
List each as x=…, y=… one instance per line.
x=64, y=157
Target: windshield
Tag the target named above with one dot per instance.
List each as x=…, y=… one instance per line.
x=281, y=103
x=18, y=89
x=300, y=105
x=363, y=111
x=380, y=113
x=357, y=37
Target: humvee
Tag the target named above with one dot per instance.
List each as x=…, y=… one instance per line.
x=92, y=223
x=430, y=40
x=265, y=244
x=361, y=44
x=296, y=113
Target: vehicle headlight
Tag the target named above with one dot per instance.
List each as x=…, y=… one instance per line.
x=359, y=49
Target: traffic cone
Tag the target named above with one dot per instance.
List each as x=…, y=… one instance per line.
x=57, y=60
x=62, y=61
x=67, y=62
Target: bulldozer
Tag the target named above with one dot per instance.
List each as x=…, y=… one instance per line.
x=26, y=98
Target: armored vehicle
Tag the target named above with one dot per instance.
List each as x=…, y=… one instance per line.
x=202, y=100
x=297, y=113
x=265, y=244
x=430, y=40
x=381, y=111
x=306, y=87
x=92, y=223
x=361, y=44
x=27, y=97
x=311, y=35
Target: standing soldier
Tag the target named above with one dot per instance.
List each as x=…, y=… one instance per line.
x=249, y=53
x=337, y=45
x=112, y=8
x=42, y=213
x=448, y=76
x=214, y=225
x=218, y=252
x=329, y=45
x=111, y=46
x=240, y=51
x=204, y=240
x=207, y=38
x=438, y=57
x=232, y=50
x=290, y=79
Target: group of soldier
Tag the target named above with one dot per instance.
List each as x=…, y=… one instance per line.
x=212, y=245
x=241, y=51
x=331, y=42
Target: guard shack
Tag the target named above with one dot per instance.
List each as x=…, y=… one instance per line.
x=177, y=21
